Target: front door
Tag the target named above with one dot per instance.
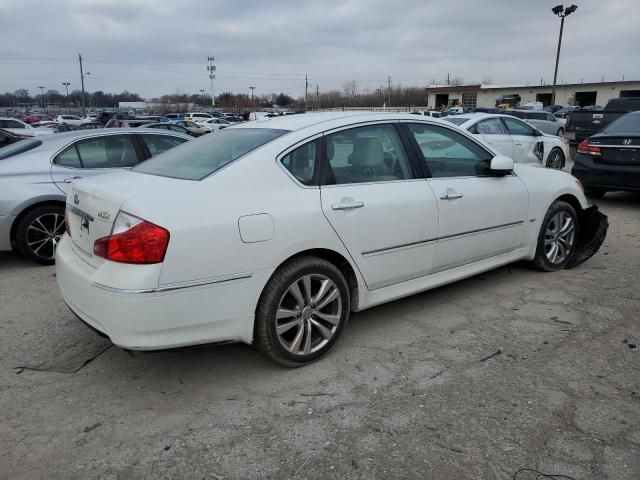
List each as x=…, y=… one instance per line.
x=480, y=216
x=493, y=133
x=381, y=209
x=527, y=146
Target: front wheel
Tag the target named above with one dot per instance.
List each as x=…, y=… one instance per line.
x=557, y=238
x=555, y=159
x=302, y=311
x=38, y=233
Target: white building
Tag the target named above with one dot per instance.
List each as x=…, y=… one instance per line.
x=581, y=94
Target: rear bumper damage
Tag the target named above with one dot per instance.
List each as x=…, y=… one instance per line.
x=593, y=230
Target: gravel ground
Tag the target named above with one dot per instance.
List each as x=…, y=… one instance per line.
x=414, y=389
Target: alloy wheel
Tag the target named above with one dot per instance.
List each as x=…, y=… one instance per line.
x=559, y=237
x=43, y=234
x=555, y=160
x=308, y=314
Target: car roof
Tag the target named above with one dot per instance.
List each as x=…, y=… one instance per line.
x=309, y=119
x=62, y=138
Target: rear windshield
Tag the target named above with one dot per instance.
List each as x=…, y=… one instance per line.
x=19, y=147
x=198, y=159
x=626, y=124
x=456, y=120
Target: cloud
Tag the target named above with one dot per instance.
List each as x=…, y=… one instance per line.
x=154, y=47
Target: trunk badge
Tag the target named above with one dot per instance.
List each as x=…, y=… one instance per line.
x=76, y=200
x=104, y=215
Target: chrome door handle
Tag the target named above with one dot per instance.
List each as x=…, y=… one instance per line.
x=69, y=180
x=451, y=196
x=347, y=206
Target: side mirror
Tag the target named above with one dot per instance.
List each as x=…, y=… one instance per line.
x=537, y=132
x=501, y=165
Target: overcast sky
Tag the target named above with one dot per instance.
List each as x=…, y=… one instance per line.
x=153, y=47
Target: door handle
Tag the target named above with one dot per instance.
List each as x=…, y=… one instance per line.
x=347, y=206
x=69, y=180
x=451, y=196
x=517, y=144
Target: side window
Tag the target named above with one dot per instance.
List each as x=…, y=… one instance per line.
x=302, y=162
x=492, y=126
x=13, y=124
x=160, y=143
x=551, y=117
x=516, y=127
x=68, y=158
x=109, y=151
x=448, y=153
x=366, y=154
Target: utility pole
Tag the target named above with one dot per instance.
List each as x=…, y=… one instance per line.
x=448, y=78
x=66, y=86
x=202, y=96
x=211, y=68
x=84, y=98
x=317, y=96
x=42, y=97
x=561, y=12
x=389, y=81
x=252, y=89
x=306, y=88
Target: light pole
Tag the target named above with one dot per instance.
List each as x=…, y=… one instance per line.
x=252, y=89
x=42, y=97
x=66, y=86
x=211, y=68
x=561, y=12
x=202, y=95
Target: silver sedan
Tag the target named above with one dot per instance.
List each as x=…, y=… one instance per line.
x=35, y=175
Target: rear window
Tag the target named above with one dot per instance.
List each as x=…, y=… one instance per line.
x=626, y=124
x=198, y=159
x=19, y=147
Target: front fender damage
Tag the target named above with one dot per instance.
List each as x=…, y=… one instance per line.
x=592, y=232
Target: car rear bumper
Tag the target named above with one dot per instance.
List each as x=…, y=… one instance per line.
x=606, y=175
x=152, y=320
x=593, y=230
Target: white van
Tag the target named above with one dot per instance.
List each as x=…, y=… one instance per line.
x=196, y=116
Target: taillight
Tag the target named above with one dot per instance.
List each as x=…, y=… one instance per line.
x=584, y=147
x=133, y=240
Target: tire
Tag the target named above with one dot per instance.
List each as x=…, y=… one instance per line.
x=300, y=340
x=39, y=232
x=555, y=159
x=594, y=193
x=560, y=132
x=551, y=237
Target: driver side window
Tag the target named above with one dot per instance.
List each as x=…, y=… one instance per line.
x=517, y=127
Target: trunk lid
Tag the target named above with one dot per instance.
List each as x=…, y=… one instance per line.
x=93, y=204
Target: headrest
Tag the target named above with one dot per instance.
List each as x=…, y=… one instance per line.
x=367, y=152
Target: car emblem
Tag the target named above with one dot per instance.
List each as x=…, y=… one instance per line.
x=76, y=200
x=596, y=121
x=626, y=141
x=103, y=214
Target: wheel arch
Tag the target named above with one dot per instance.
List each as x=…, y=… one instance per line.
x=336, y=258
x=26, y=210
x=571, y=200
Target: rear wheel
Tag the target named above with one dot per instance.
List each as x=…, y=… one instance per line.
x=38, y=233
x=302, y=311
x=558, y=237
x=555, y=159
x=594, y=193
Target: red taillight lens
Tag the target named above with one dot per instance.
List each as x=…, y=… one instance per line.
x=133, y=240
x=584, y=147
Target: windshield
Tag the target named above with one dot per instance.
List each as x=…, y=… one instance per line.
x=19, y=147
x=626, y=124
x=200, y=158
x=456, y=120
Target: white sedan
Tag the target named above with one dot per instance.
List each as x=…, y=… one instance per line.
x=70, y=119
x=214, y=124
x=271, y=233
x=515, y=138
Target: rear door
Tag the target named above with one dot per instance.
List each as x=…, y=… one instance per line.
x=93, y=156
x=526, y=144
x=492, y=132
x=378, y=204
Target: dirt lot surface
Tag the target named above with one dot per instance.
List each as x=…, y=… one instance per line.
x=513, y=368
